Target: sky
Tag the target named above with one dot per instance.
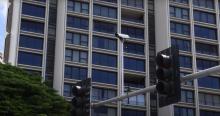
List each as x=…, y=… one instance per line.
x=3, y=17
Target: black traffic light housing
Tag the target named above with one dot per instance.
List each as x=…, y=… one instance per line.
x=168, y=76
x=81, y=98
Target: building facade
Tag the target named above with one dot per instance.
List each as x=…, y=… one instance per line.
x=193, y=25
x=65, y=41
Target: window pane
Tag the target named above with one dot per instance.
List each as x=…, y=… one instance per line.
x=104, y=111
x=29, y=59
x=76, y=56
x=104, y=43
x=33, y=10
x=181, y=1
x=104, y=77
x=179, y=12
x=80, y=7
x=134, y=48
x=135, y=33
x=204, y=3
x=180, y=28
x=204, y=32
x=183, y=111
x=103, y=94
x=31, y=42
x=204, y=64
x=67, y=92
x=128, y=112
x=133, y=3
x=104, y=59
x=185, y=61
x=182, y=44
x=32, y=26
x=206, y=49
x=77, y=39
x=77, y=22
x=104, y=27
x=73, y=72
x=209, y=82
x=204, y=17
x=134, y=64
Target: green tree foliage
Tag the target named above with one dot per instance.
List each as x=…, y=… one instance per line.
x=22, y=94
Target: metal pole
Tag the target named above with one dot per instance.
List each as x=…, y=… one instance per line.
x=200, y=74
x=119, y=98
x=122, y=65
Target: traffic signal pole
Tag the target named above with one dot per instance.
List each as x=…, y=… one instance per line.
x=119, y=98
x=189, y=77
x=200, y=74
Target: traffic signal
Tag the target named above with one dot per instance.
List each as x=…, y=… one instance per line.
x=168, y=76
x=81, y=98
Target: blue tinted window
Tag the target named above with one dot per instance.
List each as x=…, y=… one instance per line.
x=104, y=59
x=137, y=18
x=114, y=1
x=204, y=17
x=104, y=27
x=209, y=82
x=104, y=76
x=134, y=48
x=207, y=49
x=181, y=1
x=78, y=6
x=179, y=12
x=185, y=61
x=187, y=96
x=138, y=83
x=102, y=94
x=32, y=26
x=73, y=72
x=180, y=28
x=104, y=111
x=76, y=56
x=209, y=99
x=134, y=64
x=184, y=45
x=77, y=22
x=205, y=32
x=209, y=113
x=29, y=59
x=182, y=111
x=104, y=43
x=126, y=112
x=133, y=32
x=67, y=90
x=40, y=0
x=133, y=3
x=33, y=10
x=105, y=11
x=76, y=38
x=131, y=82
x=204, y=64
x=204, y=3
x=31, y=42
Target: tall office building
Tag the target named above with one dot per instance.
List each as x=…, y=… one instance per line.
x=193, y=25
x=65, y=41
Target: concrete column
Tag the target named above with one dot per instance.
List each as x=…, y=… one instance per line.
x=60, y=46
